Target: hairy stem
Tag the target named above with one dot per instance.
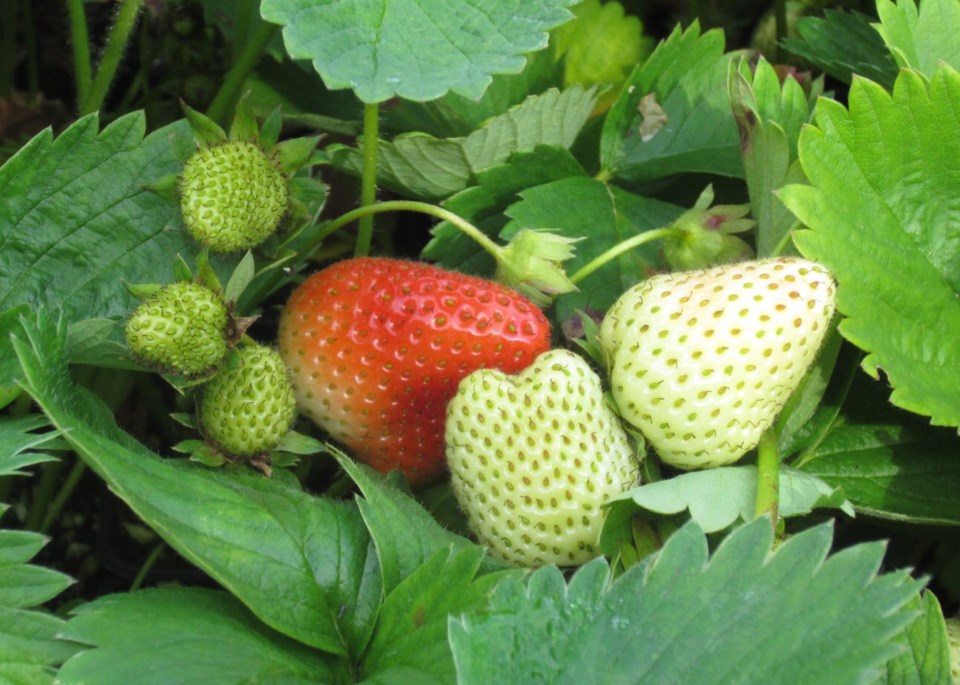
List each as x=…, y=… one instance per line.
x=620, y=248
x=233, y=82
x=368, y=181
x=768, y=476
x=80, y=42
x=112, y=54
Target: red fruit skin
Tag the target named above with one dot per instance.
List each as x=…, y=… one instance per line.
x=376, y=348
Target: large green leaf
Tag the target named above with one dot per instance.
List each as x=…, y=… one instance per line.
x=892, y=471
x=414, y=49
x=927, y=661
x=604, y=215
x=185, y=635
x=883, y=214
x=748, y=614
x=78, y=217
x=843, y=44
x=303, y=565
x=921, y=38
x=687, y=126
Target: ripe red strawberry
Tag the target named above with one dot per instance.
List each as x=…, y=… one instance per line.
x=376, y=348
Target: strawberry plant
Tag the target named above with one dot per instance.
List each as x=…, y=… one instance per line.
x=461, y=342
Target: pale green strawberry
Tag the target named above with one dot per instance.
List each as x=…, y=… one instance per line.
x=232, y=196
x=182, y=329
x=249, y=406
x=533, y=457
x=701, y=362
x=953, y=643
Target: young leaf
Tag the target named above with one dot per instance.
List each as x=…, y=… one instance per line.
x=411, y=635
x=718, y=498
x=927, y=660
x=881, y=209
x=414, y=50
x=686, y=76
x=18, y=441
x=748, y=614
x=78, y=219
x=180, y=635
x=892, y=471
x=304, y=565
x=921, y=38
x=843, y=44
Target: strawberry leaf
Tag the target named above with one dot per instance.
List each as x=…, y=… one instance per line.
x=269, y=544
x=19, y=441
x=800, y=617
x=78, y=217
x=882, y=212
x=843, y=44
x=717, y=498
x=414, y=50
x=165, y=636
x=686, y=78
x=892, y=471
x=928, y=658
x=582, y=207
x=921, y=38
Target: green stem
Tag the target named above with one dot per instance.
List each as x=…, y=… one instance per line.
x=620, y=248
x=8, y=46
x=63, y=496
x=768, y=476
x=148, y=564
x=112, y=54
x=42, y=495
x=782, y=245
x=368, y=181
x=249, y=55
x=80, y=41
x=780, y=12
x=411, y=206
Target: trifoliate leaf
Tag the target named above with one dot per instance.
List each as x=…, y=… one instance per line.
x=746, y=614
x=184, y=635
x=921, y=38
x=417, y=50
x=304, y=565
x=883, y=215
x=718, y=498
x=843, y=44
x=892, y=471
x=927, y=660
x=687, y=73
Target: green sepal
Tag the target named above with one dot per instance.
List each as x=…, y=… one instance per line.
x=706, y=238
x=182, y=273
x=293, y=154
x=184, y=419
x=240, y=278
x=205, y=274
x=142, y=291
x=188, y=446
x=208, y=456
x=167, y=187
x=590, y=342
x=205, y=130
x=184, y=385
x=298, y=443
x=270, y=129
x=532, y=264
x=244, y=125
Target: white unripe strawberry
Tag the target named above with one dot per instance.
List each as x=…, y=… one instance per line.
x=701, y=362
x=533, y=457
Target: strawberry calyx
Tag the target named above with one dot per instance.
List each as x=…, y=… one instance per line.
x=706, y=237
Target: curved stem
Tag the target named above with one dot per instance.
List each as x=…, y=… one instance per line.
x=368, y=181
x=768, y=476
x=233, y=82
x=412, y=206
x=63, y=496
x=148, y=564
x=80, y=41
x=116, y=43
x=782, y=245
x=620, y=248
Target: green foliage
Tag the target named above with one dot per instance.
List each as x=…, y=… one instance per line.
x=880, y=203
x=921, y=38
x=927, y=660
x=414, y=50
x=832, y=618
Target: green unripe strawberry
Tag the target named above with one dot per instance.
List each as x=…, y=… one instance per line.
x=533, y=458
x=701, y=362
x=232, y=196
x=248, y=407
x=181, y=329
x=953, y=640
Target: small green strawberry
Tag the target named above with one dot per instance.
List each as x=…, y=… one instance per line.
x=232, y=196
x=701, y=362
x=249, y=406
x=533, y=457
x=181, y=329
x=953, y=643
